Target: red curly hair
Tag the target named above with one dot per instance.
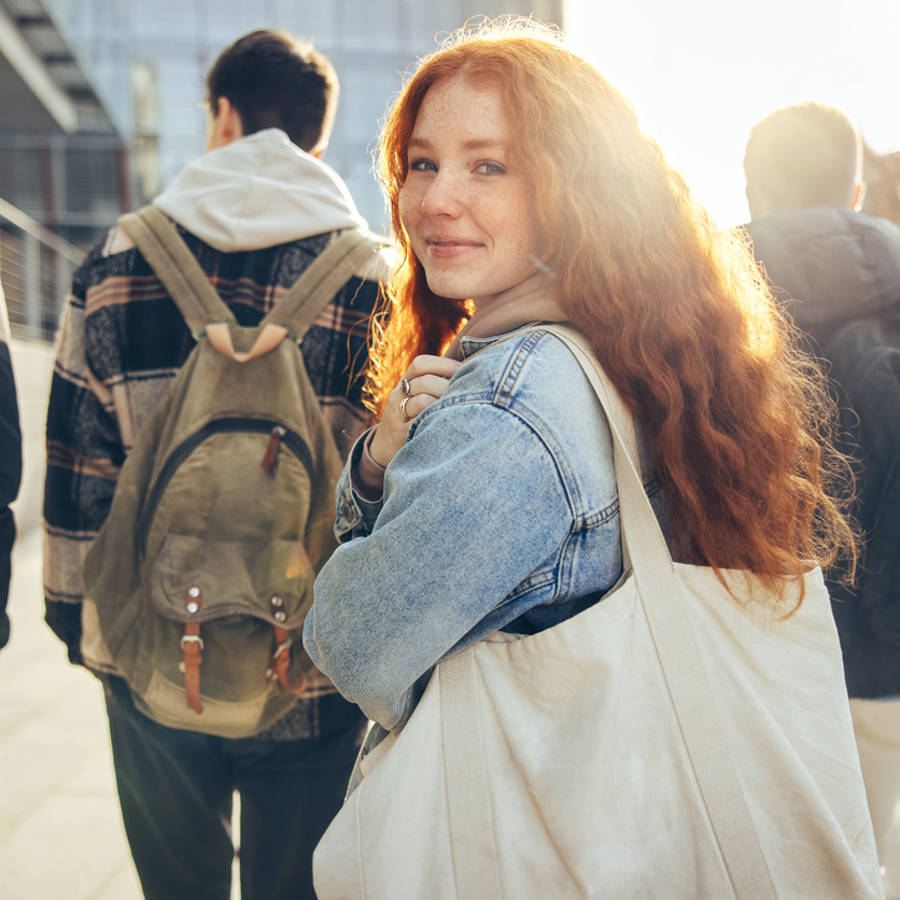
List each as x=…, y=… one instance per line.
x=674, y=309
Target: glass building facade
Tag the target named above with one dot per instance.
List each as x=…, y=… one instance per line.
x=172, y=43
x=136, y=74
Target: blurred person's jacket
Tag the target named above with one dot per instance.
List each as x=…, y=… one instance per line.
x=838, y=271
x=10, y=465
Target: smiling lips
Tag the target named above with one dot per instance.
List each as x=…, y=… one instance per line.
x=448, y=248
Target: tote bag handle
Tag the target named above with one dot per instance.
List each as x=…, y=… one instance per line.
x=686, y=679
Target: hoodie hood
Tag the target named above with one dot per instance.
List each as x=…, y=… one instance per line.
x=831, y=264
x=258, y=191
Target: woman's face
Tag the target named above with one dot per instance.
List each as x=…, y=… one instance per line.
x=466, y=207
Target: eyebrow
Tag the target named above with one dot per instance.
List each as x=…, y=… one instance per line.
x=474, y=144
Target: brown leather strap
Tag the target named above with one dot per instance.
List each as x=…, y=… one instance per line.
x=191, y=648
x=282, y=660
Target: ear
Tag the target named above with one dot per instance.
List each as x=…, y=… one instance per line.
x=225, y=126
x=859, y=195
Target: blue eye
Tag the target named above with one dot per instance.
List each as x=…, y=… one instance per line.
x=422, y=165
x=490, y=168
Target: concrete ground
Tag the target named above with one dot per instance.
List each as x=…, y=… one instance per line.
x=61, y=833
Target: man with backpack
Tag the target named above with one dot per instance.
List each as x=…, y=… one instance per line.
x=207, y=387
x=838, y=270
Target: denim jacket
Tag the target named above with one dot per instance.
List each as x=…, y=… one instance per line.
x=499, y=512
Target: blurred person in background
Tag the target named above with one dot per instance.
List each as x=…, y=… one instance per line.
x=881, y=176
x=255, y=210
x=10, y=464
x=838, y=271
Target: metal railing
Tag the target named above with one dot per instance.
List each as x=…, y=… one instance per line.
x=36, y=267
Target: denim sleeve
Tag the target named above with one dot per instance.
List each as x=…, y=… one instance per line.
x=354, y=514
x=473, y=505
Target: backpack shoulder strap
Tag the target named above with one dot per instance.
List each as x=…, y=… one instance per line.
x=156, y=236
x=324, y=277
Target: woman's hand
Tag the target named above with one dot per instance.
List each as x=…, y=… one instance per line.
x=426, y=379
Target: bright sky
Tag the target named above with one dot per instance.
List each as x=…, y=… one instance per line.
x=700, y=73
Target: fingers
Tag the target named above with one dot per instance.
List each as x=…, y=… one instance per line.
x=425, y=381
x=432, y=365
x=409, y=407
x=417, y=394
x=433, y=385
x=405, y=413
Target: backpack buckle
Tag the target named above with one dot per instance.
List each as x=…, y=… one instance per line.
x=192, y=656
x=282, y=647
x=281, y=661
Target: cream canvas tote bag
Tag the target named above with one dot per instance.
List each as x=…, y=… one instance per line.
x=671, y=741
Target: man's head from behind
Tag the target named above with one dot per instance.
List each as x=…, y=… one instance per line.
x=270, y=79
x=801, y=156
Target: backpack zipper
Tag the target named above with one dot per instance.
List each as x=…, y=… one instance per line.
x=270, y=457
x=278, y=435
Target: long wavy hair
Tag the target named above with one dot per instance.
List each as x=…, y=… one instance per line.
x=674, y=308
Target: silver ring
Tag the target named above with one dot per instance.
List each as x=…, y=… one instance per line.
x=404, y=386
x=403, y=413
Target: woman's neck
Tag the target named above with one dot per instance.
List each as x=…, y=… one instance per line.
x=529, y=301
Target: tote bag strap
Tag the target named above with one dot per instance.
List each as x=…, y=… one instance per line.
x=687, y=680
x=469, y=807
x=468, y=797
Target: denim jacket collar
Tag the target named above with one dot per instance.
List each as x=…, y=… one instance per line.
x=469, y=346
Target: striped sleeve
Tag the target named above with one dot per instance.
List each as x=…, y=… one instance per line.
x=84, y=456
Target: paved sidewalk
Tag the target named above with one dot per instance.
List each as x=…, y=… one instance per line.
x=61, y=833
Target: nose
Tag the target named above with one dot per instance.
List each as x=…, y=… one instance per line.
x=442, y=195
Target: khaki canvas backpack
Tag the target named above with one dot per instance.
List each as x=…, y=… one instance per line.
x=203, y=572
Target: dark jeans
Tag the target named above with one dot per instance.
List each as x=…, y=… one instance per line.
x=176, y=787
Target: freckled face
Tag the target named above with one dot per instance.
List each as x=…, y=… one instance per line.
x=465, y=205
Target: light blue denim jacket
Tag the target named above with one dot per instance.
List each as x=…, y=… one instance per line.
x=499, y=512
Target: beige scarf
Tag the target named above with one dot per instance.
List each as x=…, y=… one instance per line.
x=506, y=317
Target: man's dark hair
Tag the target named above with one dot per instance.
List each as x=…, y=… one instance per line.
x=804, y=155
x=274, y=80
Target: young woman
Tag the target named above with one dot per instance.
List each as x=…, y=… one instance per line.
x=523, y=191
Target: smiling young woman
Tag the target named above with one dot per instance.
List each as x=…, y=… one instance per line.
x=520, y=181
x=466, y=203
x=596, y=220
x=485, y=500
